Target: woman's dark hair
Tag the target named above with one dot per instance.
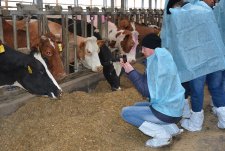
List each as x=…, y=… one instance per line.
x=171, y=4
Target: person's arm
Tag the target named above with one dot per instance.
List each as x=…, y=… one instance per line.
x=139, y=80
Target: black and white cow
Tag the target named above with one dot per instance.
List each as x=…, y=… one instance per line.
x=105, y=54
x=27, y=71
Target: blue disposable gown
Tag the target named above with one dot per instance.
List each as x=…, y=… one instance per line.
x=195, y=41
x=167, y=93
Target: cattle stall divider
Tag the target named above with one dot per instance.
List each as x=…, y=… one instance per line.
x=149, y=16
x=81, y=80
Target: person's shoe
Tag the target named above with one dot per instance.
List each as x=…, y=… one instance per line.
x=194, y=123
x=220, y=112
x=161, y=136
x=158, y=142
x=172, y=129
x=186, y=110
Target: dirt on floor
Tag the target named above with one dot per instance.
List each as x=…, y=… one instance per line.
x=82, y=121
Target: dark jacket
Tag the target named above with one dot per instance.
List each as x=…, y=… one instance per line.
x=140, y=82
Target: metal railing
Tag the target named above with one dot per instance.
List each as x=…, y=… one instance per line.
x=142, y=16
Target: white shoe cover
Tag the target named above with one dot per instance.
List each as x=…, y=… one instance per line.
x=220, y=112
x=172, y=129
x=194, y=123
x=186, y=110
x=214, y=110
x=160, y=135
x=158, y=142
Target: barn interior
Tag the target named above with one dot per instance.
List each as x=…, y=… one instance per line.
x=87, y=116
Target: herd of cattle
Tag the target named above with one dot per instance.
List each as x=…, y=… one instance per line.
x=40, y=69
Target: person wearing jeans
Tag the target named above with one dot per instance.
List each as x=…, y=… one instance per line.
x=214, y=81
x=162, y=85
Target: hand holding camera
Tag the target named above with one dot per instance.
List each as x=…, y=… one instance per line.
x=118, y=57
x=126, y=65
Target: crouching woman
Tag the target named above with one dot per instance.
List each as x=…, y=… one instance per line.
x=162, y=85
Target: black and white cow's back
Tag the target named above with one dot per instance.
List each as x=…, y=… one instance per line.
x=28, y=71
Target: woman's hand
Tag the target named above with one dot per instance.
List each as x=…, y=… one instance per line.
x=127, y=66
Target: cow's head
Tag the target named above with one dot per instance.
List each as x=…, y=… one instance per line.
x=29, y=72
x=88, y=53
x=122, y=40
x=50, y=50
x=131, y=55
x=125, y=24
x=37, y=79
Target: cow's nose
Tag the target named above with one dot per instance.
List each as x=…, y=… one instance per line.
x=58, y=94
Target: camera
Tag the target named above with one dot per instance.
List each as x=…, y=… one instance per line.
x=117, y=58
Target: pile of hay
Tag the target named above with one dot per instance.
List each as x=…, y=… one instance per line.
x=82, y=121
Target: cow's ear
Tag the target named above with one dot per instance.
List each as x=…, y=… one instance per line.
x=100, y=43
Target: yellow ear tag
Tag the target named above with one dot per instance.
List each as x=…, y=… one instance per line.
x=60, y=47
x=2, y=49
x=29, y=69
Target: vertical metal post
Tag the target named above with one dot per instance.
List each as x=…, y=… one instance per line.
x=39, y=3
x=66, y=42
x=27, y=32
x=39, y=25
x=155, y=4
x=1, y=30
x=122, y=4
x=92, y=17
x=142, y=4
x=104, y=3
x=76, y=65
x=6, y=4
x=106, y=26
x=150, y=4
x=75, y=2
x=84, y=25
x=112, y=4
x=100, y=24
x=14, y=32
x=126, y=5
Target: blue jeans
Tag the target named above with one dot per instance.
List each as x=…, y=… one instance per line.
x=215, y=87
x=138, y=113
x=224, y=80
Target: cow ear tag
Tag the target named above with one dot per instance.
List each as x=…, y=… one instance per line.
x=29, y=69
x=2, y=49
x=60, y=47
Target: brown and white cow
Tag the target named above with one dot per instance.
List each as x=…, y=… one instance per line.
x=143, y=30
x=125, y=41
x=47, y=45
x=88, y=48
